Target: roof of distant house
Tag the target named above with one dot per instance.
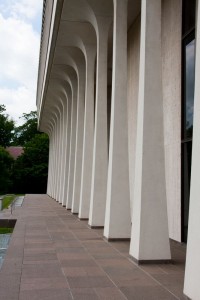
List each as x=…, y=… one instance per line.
x=15, y=152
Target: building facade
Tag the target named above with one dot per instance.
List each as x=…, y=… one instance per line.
x=118, y=95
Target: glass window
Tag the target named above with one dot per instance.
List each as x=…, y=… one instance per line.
x=189, y=87
x=188, y=81
x=186, y=167
x=189, y=9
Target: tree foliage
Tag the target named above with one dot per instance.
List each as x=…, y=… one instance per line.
x=31, y=168
x=6, y=128
x=28, y=174
x=6, y=163
x=26, y=132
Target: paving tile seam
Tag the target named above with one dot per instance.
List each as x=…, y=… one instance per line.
x=22, y=262
x=128, y=259
x=100, y=265
x=143, y=271
x=138, y=266
x=89, y=244
x=61, y=266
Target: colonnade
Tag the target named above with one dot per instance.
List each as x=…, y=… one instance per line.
x=86, y=175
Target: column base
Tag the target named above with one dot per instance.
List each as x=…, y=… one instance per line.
x=117, y=239
x=151, y=261
x=83, y=219
x=73, y=213
x=95, y=227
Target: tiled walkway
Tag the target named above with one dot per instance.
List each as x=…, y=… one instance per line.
x=53, y=255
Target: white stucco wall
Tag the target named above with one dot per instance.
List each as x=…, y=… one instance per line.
x=171, y=53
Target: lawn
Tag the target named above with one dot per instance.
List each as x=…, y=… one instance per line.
x=5, y=230
x=7, y=200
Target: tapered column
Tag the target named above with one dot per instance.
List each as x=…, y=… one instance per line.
x=49, y=181
x=51, y=165
x=117, y=220
x=88, y=139
x=100, y=151
x=67, y=153
x=150, y=238
x=72, y=150
x=62, y=145
x=64, y=148
x=191, y=284
x=58, y=162
x=79, y=140
x=54, y=165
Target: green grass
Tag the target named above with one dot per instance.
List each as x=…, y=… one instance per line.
x=7, y=200
x=5, y=230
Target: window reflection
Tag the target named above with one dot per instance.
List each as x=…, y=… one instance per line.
x=189, y=86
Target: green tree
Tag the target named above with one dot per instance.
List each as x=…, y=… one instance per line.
x=27, y=131
x=6, y=163
x=31, y=168
x=6, y=128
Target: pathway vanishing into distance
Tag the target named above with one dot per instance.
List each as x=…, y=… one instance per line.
x=53, y=255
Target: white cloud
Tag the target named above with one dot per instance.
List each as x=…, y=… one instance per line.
x=19, y=54
x=28, y=9
x=18, y=9
x=18, y=101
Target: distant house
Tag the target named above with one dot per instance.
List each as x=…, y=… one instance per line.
x=15, y=152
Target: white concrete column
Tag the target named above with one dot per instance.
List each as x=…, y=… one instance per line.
x=61, y=158
x=72, y=149
x=58, y=161
x=64, y=147
x=96, y=211
x=53, y=165
x=192, y=269
x=67, y=153
x=88, y=139
x=79, y=139
x=49, y=180
x=118, y=217
x=55, y=161
x=150, y=237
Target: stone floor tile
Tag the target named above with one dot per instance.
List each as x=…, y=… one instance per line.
x=46, y=294
x=135, y=279
x=89, y=281
x=41, y=271
x=169, y=279
x=40, y=256
x=39, y=245
x=78, y=263
x=84, y=294
x=51, y=251
x=110, y=294
x=152, y=269
x=34, y=251
x=74, y=271
x=43, y=283
x=147, y=293
x=10, y=294
x=78, y=255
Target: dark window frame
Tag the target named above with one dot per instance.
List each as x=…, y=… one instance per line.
x=188, y=35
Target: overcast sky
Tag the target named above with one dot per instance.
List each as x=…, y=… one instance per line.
x=20, y=26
